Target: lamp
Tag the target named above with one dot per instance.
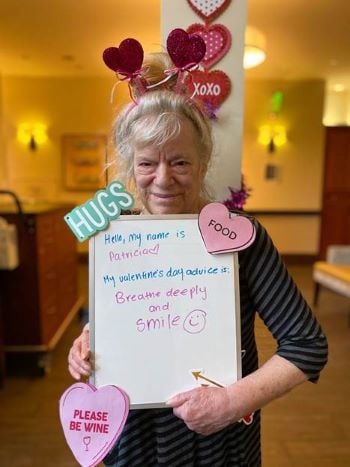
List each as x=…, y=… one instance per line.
x=254, y=48
x=32, y=134
x=272, y=136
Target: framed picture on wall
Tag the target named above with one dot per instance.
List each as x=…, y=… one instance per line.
x=84, y=158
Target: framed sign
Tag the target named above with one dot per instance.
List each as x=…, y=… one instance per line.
x=83, y=161
x=162, y=309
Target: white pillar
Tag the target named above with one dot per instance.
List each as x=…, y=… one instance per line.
x=229, y=126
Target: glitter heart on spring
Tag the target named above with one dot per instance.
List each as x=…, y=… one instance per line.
x=125, y=59
x=185, y=49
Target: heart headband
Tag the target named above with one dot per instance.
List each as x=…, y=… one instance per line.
x=185, y=50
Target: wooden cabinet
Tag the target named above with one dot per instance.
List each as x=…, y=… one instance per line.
x=335, y=224
x=40, y=297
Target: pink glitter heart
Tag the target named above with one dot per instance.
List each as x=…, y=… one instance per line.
x=185, y=49
x=92, y=420
x=125, y=59
x=217, y=39
x=222, y=233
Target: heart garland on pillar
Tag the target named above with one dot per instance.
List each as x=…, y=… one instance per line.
x=210, y=87
x=208, y=9
x=217, y=39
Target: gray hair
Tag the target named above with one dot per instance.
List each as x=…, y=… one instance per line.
x=156, y=119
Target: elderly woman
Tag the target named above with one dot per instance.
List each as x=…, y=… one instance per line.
x=165, y=145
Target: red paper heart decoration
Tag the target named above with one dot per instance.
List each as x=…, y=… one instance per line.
x=217, y=40
x=208, y=9
x=125, y=59
x=211, y=87
x=185, y=49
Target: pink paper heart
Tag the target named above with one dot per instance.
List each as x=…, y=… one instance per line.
x=126, y=59
x=217, y=40
x=92, y=420
x=208, y=9
x=185, y=49
x=223, y=234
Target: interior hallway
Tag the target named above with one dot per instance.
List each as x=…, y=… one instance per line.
x=308, y=427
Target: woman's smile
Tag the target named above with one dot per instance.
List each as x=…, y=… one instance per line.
x=166, y=196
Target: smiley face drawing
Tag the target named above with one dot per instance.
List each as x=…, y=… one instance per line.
x=195, y=321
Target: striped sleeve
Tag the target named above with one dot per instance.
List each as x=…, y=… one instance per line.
x=282, y=307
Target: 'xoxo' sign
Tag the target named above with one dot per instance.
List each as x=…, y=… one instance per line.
x=207, y=89
x=209, y=86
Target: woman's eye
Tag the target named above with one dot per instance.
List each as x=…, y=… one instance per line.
x=145, y=167
x=145, y=164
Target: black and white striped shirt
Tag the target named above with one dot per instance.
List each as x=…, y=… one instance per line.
x=155, y=437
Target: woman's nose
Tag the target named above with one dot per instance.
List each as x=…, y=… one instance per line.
x=163, y=174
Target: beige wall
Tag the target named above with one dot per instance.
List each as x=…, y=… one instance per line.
x=300, y=162
x=298, y=185
x=337, y=108
x=65, y=105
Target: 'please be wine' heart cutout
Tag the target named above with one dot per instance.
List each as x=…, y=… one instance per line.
x=126, y=59
x=185, y=49
x=217, y=40
x=222, y=233
x=208, y=9
x=92, y=420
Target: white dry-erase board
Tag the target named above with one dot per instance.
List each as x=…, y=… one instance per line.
x=161, y=307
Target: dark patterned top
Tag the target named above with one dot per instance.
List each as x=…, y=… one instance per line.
x=155, y=437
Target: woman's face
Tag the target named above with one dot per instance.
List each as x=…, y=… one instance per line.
x=169, y=178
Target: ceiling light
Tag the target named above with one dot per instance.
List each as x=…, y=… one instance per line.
x=338, y=87
x=254, y=48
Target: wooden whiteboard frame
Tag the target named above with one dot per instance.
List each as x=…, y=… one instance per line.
x=235, y=371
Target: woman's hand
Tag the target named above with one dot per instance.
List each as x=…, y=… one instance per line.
x=79, y=355
x=205, y=410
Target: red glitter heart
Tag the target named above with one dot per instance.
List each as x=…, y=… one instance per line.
x=185, y=49
x=210, y=87
x=125, y=59
x=208, y=9
x=217, y=39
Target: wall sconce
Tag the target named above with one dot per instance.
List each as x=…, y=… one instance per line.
x=32, y=134
x=272, y=136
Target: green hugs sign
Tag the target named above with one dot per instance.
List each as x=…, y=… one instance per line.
x=95, y=214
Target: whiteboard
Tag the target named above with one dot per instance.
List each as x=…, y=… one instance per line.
x=161, y=307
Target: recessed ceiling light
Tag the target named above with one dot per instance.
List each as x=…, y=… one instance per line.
x=338, y=87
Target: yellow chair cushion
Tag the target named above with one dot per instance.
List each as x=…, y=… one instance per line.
x=339, y=271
